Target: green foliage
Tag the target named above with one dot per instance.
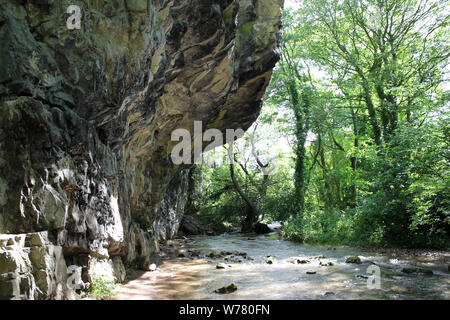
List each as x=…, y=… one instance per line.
x=279, y=205
x=410, y=194
x=379, y=166
x=322, y=226
x=404, y=199
x=361, y=96
x=101, y=288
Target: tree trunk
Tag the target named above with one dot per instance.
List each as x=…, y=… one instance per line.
x=371, y=109
x=300, y=104
x=252, y=212
x=353, y=159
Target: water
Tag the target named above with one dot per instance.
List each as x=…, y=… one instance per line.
x=197, y=278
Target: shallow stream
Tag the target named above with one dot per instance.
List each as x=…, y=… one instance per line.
x=197, y=277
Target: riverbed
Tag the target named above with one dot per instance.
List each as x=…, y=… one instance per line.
x=297, y=271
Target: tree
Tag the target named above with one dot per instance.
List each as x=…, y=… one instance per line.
x=259, y=187
x=393, y=50
x=293, y=88
x=360, y=76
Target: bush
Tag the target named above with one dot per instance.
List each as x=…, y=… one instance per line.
x=101, y=288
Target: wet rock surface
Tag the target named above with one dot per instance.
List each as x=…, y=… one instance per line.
x=353, y=259
x=86, y=118
x=270, y=260
x=262, y=228
x=227, y=289
x=190, y=226
x=298, y=261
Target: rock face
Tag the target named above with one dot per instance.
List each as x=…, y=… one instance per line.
x=190, y=225
x=32, y=268
x=86, y=117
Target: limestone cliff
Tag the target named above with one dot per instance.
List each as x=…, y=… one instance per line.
x=86, y=116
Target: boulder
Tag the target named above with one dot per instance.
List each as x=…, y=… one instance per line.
x=270, y=260
x=353, y=259
x=214, y=255
x=183, y=253
x=227, y=289
x=301, y=261
x=190, y=225
x=262, y=228
x=298, y=261
x=193, y=252
x=222, y=266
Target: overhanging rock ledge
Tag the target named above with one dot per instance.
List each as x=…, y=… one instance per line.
x=86, y=116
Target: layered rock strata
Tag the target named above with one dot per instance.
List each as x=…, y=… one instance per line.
x=86, y=115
